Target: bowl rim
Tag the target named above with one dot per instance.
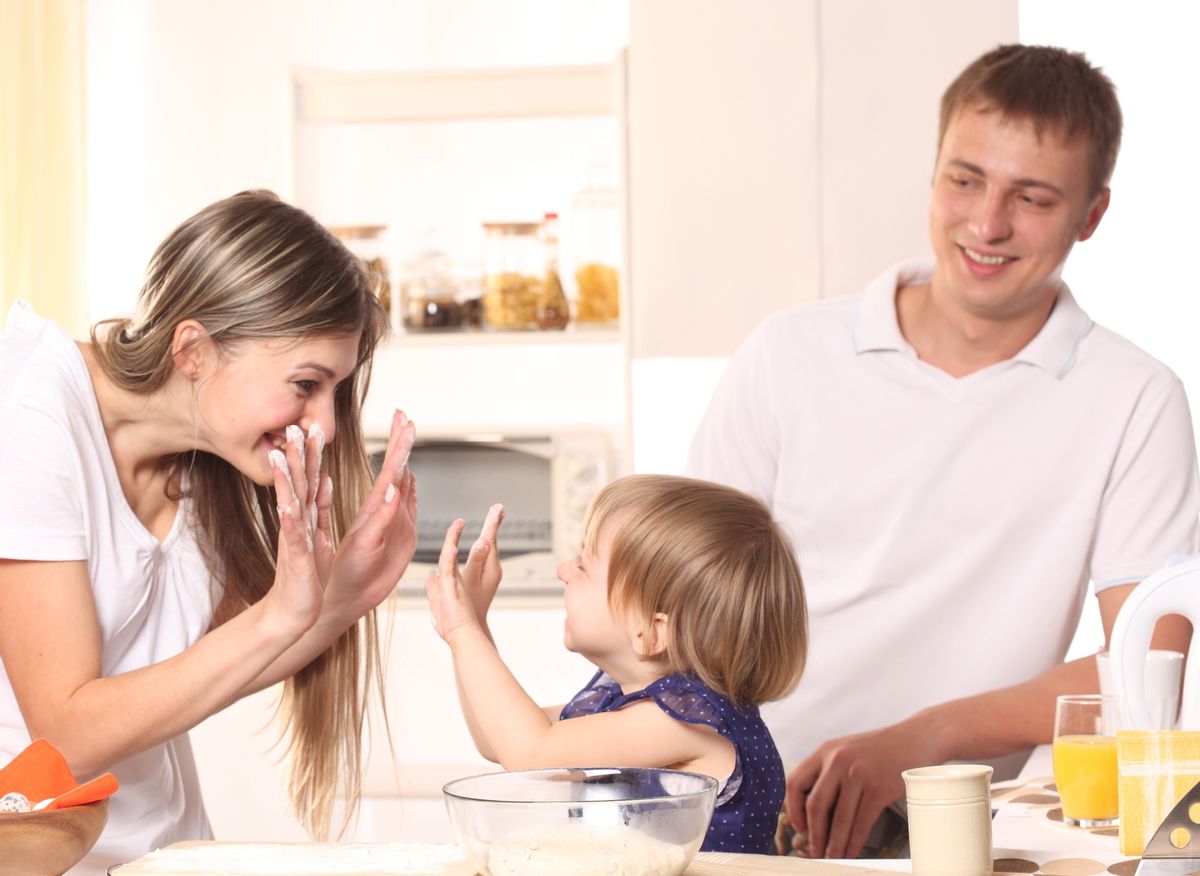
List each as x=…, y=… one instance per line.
x=709, y=786
x=65, y=812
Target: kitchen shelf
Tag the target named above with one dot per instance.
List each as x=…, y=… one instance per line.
x=360, y=121
x=483, y=338
x=456, y=95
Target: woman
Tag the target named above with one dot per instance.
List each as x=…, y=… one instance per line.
x=168, y=540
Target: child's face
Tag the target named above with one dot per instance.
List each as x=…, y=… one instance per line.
x=591, y=628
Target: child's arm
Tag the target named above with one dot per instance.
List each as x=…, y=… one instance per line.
x=480, y=579
x=509, y=727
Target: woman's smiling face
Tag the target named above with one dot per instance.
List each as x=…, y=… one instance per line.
x=259, y=388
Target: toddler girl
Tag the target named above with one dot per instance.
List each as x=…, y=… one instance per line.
x=687, y=598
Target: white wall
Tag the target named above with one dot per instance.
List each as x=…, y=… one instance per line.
x=1133, y=276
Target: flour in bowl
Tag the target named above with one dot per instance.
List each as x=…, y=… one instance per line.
x=580, y=849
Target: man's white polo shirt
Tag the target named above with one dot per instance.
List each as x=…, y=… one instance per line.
x=946, y=528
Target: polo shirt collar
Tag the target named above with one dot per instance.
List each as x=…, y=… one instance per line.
x=1055, y=346
x=1053, y=349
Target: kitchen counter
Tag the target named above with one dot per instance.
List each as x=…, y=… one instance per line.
x=414, y=859
x=1027, y=837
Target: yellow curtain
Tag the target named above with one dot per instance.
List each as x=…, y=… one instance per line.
x=42, y=186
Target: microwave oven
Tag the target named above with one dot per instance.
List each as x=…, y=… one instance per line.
x=544, y=480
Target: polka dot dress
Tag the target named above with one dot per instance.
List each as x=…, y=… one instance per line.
x=748, y=805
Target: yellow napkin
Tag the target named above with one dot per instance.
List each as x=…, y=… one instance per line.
x=1155, y=769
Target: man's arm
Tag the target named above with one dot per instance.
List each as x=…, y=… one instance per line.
x=839, y=791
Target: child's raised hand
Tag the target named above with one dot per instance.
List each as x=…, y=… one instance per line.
x=448, y=600
x=481, y=575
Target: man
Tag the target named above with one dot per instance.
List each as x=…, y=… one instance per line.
x=956, y=453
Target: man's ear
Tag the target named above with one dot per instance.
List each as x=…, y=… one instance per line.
x=651, y=642
x=1095, y=213
x=192, y=350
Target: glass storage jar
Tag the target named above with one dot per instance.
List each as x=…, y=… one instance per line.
x=553, y=312
x=513, y=263
x=429, y=291
x=368, y=243
x=596, y=221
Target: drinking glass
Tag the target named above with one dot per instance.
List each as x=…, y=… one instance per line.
x=1085, y=758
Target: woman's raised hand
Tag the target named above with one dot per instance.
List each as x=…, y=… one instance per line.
x=377, y=548
x=304, y=552
x=481, y=575
x=313, y=489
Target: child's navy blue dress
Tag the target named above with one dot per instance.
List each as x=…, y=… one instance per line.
x=748, y=806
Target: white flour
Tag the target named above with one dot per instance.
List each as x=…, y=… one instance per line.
x=580, y=849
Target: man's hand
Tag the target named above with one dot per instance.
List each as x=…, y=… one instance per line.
x=839, y=791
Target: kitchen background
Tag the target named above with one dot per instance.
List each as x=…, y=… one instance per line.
x=726, y=157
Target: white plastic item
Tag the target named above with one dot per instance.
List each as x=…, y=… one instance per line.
x=1164, y=675
x=1173, y=590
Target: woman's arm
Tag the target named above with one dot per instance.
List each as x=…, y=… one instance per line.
x=50, y=644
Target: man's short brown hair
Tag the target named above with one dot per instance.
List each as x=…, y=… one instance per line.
x=1051, y=87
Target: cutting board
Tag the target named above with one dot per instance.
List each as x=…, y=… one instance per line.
x=188, y=859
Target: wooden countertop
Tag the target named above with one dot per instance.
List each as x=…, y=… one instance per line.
x=414, y=859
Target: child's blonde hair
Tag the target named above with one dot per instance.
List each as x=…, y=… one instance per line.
x=713, y=560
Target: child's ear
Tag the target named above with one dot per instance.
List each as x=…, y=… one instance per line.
x=191, y=349
x=651, y=642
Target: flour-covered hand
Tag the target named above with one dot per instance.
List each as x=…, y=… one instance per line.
x=380, y=543
x=448, y=601
x=482, y=573
x=297, y=594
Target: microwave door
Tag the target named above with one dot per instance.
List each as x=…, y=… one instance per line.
x=465, y=478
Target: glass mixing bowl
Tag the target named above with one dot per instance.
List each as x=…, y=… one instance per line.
x=577, y=821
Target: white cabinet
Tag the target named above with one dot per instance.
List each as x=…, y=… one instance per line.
x=780, y=151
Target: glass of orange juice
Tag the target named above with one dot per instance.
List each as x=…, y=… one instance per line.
x=1085, y=758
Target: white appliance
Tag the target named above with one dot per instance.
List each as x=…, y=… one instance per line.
x=1173, y=590
x=544, y=479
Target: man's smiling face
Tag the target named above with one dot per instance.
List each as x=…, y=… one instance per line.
x=1008, y=204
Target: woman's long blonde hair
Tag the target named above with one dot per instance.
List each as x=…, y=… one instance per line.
x=249, y=268
x=714, y=561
